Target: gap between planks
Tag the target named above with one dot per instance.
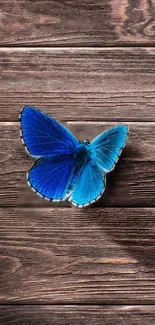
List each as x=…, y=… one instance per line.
x=72, y=304
x=72, y=122
x=74, y=46
x=77, y=48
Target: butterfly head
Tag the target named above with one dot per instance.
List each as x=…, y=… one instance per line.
x=86, y=142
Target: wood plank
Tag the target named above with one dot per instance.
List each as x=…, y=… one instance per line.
x=69, y=315
x=90, y=84
x=81, y=23
x=103, y=256
x=132, y=183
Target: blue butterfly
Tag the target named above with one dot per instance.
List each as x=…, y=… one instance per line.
x=67, y=169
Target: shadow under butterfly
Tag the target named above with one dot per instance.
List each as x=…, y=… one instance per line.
x=66, y=169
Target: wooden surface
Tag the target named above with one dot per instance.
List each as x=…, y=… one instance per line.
x=91, y=65
x=77, y=23
x=91, y=256
x=79, y=84
x=69, y=315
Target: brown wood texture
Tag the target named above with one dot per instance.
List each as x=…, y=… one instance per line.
x=78, y=315
x=132, y=183
x=87, y=84
x=95, y=256
x=61, y=265
x=77, y=23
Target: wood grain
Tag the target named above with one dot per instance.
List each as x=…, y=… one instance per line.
x=81, y=23
x=68, y=265
x=132, y=183
x=104, y=256
x=69, y=315
x=87, y=84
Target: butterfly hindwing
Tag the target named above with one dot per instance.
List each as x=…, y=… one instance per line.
x=50, y=176
x=90, y=185
x=107, y=147
x=43, y=136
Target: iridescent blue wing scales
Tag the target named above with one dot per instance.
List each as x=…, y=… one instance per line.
x=107, y=147
x=55, y=146
x=104, y=151
x=89, y=186
x=49, y=177
x=43, y=136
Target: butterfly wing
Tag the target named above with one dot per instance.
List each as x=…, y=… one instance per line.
x=50, y=176
x=107, y=147
x=90, y=185
x=43, y=136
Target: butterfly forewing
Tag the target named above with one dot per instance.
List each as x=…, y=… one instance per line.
x=107, y=147
x=44, y=136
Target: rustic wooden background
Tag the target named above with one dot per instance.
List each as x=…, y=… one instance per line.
x=90, y=64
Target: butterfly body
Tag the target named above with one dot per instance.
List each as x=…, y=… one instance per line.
x=82, y=155
x=67, y=169
x=81, y=158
